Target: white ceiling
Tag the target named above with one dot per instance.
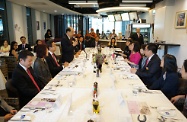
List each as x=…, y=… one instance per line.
x=44, y=6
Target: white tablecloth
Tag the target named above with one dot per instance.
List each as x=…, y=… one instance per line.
x=115, y=94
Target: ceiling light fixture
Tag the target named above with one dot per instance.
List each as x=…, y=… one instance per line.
x=111, y=9
x=137, y=1
x=133, y=5
x=83, y=2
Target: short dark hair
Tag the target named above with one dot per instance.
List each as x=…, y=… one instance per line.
x=68, y=29
x=170, y=63
x=41, y=51
x=143, y=46
x=49, y=43
x=136, y=46
x=22, y=37
x=152, y=47
x=23, y=54
x=185, y=65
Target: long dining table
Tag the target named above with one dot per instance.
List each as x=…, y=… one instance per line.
x=122, y=96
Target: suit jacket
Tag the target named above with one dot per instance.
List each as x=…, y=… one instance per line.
x=27, y=46
x=134, y=37
x=80, y=46
x=168, y=85
x=67, y=49
x=151, y=72
x=23, y=83
x=53, y=68
x=42, y=70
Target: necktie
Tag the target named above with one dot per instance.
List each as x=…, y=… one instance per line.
x=53, y=55
x=32, y=78
x=23, y=46
x=80, y=46
x=147, y=61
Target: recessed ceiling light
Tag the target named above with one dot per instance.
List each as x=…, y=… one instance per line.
x=43, y=10
x=111, y=9
x=133, y=5
x=137, y=1
x=55, y=11
x=83, y=2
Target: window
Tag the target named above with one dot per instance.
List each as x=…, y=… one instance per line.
x=3, y=22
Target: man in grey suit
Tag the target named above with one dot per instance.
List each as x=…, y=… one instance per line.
x=6, y=111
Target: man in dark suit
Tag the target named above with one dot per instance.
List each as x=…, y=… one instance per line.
x=24, y=45
x=68, y=45
x=6, y=111
x=137, y=36
x=151, y=71
x=80, y=46
x=24, y=80
x=54, y=66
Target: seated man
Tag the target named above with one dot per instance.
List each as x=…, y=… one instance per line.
x=24, y=45
x=54, y=66
x=151, y=71
x=24, y=80
x=6, y=111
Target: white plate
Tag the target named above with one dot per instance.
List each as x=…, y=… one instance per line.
x=166, y=111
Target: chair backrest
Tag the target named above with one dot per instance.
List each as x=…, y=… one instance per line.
x=2, y=81
x=11, y=90
x=11, y=62
x=182, y=86
x=3, y=66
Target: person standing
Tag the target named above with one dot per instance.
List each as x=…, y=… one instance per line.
x=48, y=35
x=68, y=45
x=137, y=37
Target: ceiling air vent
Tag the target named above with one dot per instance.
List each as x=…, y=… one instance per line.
x=38, y=3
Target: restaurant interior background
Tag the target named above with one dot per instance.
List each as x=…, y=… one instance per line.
x=19, y=17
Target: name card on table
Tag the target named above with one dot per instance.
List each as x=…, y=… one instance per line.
x=133, y=107
x=59, y=101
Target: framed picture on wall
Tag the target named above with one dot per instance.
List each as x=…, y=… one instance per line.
x=44, y=25
x=180, y=19
x=37, y=25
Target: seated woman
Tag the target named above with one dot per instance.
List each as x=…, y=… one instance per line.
x=127, y=52
x=13, y=49
x=144, y=58
x=112, y=43
x=38, y=42
x=5, y=47
x=6, y=111
x=41, y=68
x=176, y=98
x=135, y=56
x=168, y=83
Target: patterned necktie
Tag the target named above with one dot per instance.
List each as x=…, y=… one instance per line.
x=32, y=78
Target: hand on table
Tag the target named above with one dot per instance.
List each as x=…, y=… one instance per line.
x=13, y=112
x=66, y=64
x=8, y=117
x=133, y=70
x=176, y=98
